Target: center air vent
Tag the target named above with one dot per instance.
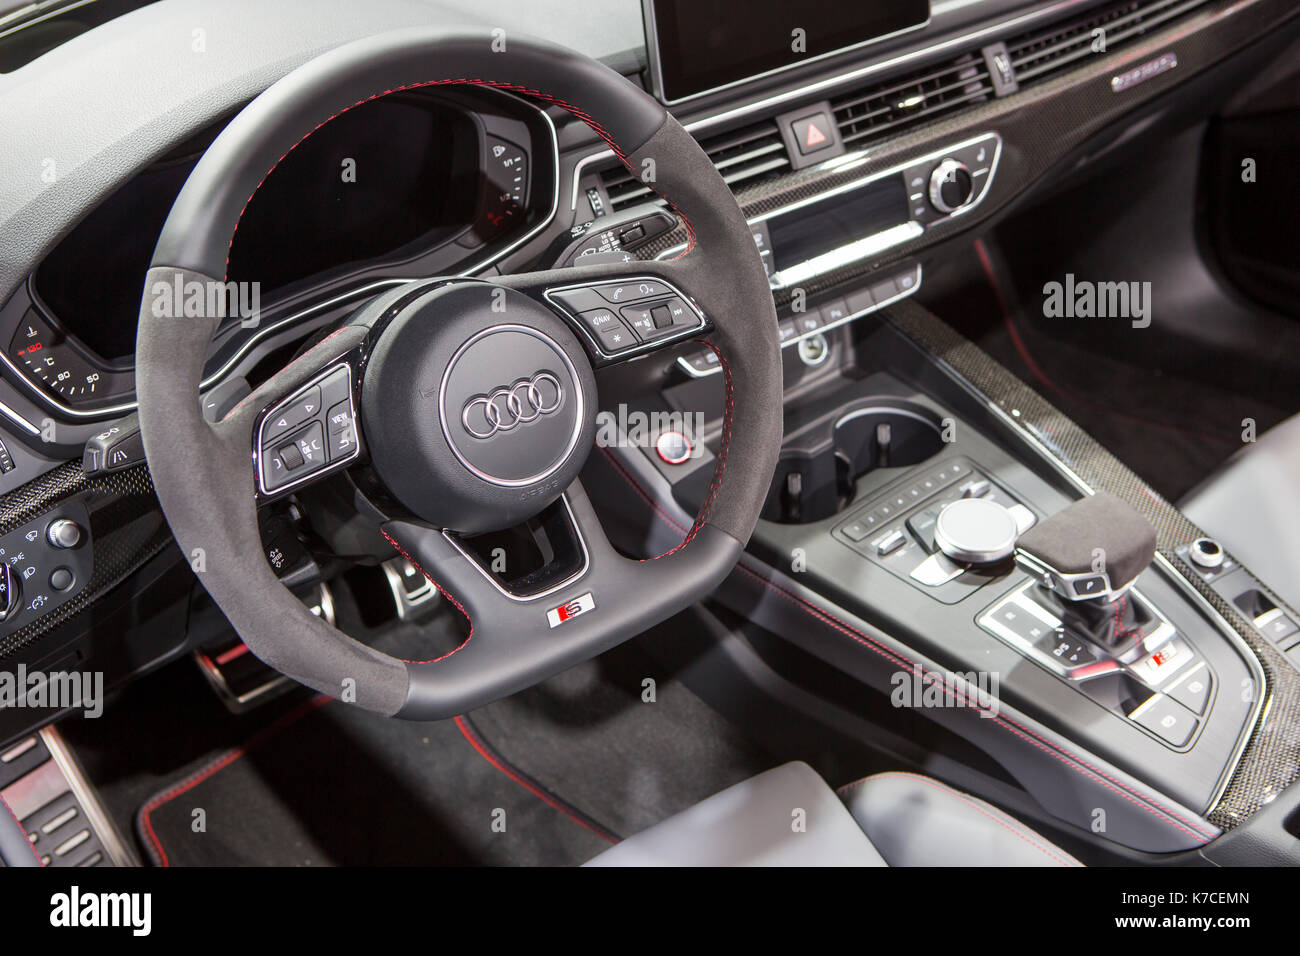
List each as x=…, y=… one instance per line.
x=871, y=112
x=1045, y=51
x=743, y=156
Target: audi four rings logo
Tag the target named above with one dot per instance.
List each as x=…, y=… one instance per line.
x=510, y=406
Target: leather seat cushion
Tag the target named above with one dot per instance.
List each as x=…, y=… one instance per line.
x=790, y=817
x=757, y=822
x=918, y=821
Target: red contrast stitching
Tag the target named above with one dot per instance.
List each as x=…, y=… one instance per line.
x=1010, y=824
x=596, y=127
x=220, y=763
x=535, y=789
x=1072, y=761
x=1123, y=632
x=441, y=590
x=21, y=829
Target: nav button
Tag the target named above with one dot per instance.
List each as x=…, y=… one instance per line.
x=612, y=335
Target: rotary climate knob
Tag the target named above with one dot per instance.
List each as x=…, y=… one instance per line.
x=976, y=531
x=951, y=186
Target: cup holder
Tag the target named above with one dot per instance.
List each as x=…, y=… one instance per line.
x=818, y=471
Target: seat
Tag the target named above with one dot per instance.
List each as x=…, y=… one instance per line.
x=788, y=816
x=1251, y=505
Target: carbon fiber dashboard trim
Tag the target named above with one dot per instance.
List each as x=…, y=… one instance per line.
x=1271, y=758
x=126, y=526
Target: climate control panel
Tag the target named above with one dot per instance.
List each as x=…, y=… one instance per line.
x=949, y=183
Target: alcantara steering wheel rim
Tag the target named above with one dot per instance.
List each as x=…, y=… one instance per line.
x=206, y=474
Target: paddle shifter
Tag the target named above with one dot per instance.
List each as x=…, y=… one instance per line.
x=1086, y=557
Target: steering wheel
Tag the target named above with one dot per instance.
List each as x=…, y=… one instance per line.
x=444, y=381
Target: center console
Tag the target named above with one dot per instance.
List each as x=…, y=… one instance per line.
x=918, y=528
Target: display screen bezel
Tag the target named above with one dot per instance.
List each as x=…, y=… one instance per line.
x=671, y=88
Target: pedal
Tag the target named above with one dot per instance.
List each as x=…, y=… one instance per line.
x=240, y=680
x=413, y=593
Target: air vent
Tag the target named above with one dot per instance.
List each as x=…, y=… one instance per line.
x=743, y=156
x=1044, y=52
x=871, y=112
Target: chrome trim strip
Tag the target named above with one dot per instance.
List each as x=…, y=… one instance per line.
x=361, y=292
x=847, y=254
x=17, y=419
x=572, y=579
x=684, y=364
x=656, y=67
x=16, y=24
x=87, y=798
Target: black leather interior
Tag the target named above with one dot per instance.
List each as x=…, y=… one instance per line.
x=788, y=816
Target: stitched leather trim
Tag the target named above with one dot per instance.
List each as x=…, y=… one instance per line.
x=1007, y=822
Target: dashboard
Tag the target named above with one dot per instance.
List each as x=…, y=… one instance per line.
x=417, y=183
x=921, y=131
x=472, y=181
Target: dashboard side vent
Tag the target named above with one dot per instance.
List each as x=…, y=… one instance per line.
x=886, y=107
x=1045, y=51
x=743, y=156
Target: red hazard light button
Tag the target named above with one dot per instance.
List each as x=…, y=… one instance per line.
x=813, y=133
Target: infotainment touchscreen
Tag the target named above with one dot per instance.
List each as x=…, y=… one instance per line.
x=700, y=45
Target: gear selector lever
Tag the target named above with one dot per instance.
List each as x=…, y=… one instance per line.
x=1087, y=556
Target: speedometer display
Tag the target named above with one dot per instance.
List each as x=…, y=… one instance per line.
x=55, y=366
